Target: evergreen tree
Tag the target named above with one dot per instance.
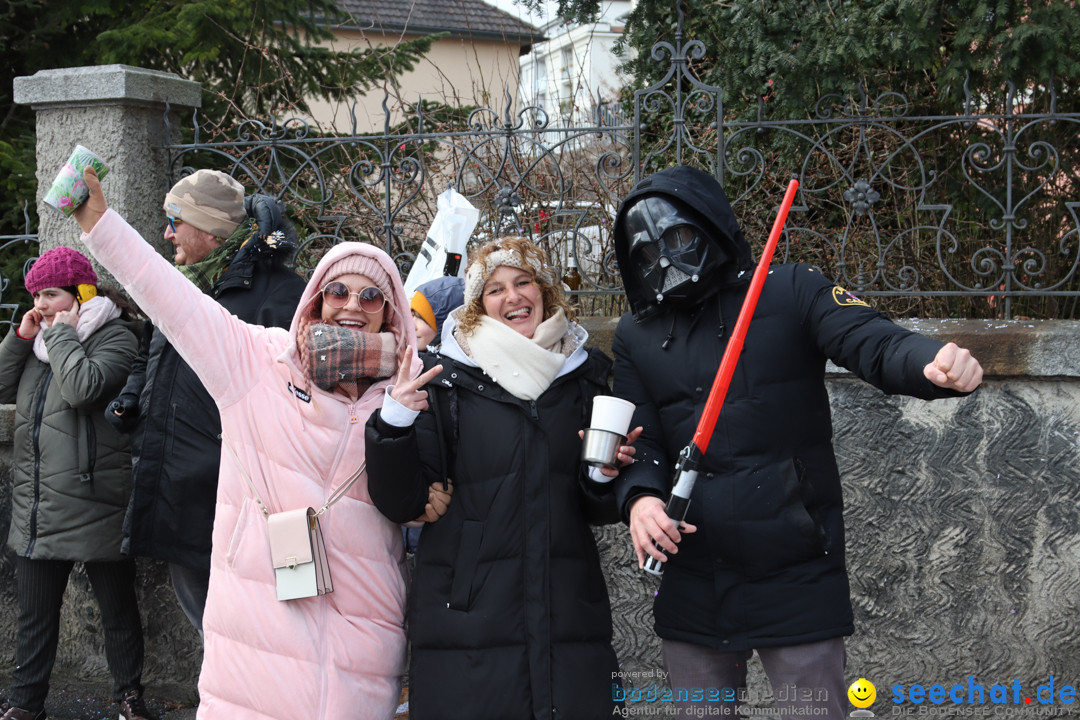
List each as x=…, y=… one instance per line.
x=794, y=51
x=894, y=60
x=253, y=57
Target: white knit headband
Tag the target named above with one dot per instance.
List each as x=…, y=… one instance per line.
x=478, y=273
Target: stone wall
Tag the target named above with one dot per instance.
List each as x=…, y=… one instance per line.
x=963, y=524
x=117, y=111
x=963, y=521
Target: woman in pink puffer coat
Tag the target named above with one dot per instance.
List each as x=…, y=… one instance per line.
x=293, y=404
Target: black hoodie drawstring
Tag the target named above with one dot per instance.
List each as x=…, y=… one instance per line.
x=697, y=316
x=671, y=332
x=720, y=316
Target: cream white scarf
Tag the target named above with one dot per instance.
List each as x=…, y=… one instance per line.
x=523, y=366
x=93, y=313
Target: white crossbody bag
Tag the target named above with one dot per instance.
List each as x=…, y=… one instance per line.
x=297, y=549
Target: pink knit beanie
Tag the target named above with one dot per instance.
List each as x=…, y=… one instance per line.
x=361, y=265
x=60, y=267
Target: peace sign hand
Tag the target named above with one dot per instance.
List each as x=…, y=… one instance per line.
x=407, y=391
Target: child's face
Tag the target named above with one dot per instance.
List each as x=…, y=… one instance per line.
x=424, y=332
x=49, y=301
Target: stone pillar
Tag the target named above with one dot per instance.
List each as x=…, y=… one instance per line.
x=118, y=111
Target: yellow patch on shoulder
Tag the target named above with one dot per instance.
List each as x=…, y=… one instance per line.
x=843, y=298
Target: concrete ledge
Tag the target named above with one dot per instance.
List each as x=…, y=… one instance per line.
x=7, y=424
x=1037, y=348
x=1006, y=348
x=105, y=83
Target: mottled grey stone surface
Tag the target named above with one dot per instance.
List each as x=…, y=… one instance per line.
x=963, y=535
x=105, y=83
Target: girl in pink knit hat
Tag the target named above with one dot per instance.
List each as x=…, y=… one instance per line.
x=71, y=477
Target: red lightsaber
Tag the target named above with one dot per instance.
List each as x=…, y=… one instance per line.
x=690, y=457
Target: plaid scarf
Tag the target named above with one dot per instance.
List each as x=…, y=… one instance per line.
x=333, y=356
x=206, y=272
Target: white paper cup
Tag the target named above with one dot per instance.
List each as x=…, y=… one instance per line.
x=612, y=414
x=68, y=191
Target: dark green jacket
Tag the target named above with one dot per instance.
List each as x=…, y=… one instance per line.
x=72, y=471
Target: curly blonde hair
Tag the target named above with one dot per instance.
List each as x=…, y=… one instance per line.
x=513, y=252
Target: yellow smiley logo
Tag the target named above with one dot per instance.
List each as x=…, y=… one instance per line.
x=862, y=693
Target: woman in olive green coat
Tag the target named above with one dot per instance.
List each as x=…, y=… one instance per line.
x=72, y=475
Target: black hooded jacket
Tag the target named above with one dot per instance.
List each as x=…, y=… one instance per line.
x=176, y=429
x=766, y=566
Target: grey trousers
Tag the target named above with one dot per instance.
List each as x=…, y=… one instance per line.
x=802, y=676
x=190, y=587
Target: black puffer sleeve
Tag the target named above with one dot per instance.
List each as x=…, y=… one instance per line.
x=856, y=336
x=396, y=477
x=403, y=462
x=650, y=472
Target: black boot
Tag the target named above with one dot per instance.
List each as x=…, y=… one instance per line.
x=132, y=707
x=14, y=713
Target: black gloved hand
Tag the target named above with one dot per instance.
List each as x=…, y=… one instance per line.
x=265, y=210
x=123, y=412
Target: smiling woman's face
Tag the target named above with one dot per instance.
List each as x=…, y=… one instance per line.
x=511, y=297
x=352, y=315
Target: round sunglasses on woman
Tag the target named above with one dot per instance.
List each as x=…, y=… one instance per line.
x=337, y=294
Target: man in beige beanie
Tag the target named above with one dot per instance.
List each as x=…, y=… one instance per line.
x=239, y=250
x=203, y=209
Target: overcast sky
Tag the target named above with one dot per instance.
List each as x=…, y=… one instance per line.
x=521, y=12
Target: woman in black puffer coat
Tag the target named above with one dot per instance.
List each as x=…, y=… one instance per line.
x=509, y=614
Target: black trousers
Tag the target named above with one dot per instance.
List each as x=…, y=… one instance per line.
x=40, y=587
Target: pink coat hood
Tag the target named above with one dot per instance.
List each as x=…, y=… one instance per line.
x=335, y=656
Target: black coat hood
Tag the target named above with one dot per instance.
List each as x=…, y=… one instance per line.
x=702, y=192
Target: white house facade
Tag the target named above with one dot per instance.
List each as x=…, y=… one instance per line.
x=566, y=73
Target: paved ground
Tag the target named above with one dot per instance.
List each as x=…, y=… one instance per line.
x=92, y=701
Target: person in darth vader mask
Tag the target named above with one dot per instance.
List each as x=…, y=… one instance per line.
x=759, y=562
x=671, y=252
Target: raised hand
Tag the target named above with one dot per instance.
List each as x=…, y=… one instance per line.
x=954, y=368
x=95, y=206
x=409, y=391
x=67, y=317
x=30, y=325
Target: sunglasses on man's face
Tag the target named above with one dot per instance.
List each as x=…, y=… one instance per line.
x=337, y=294
x=172, y=223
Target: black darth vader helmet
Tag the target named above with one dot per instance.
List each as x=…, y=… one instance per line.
x=671, y=251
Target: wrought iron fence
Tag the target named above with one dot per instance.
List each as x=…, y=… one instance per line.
x=16, y=252
x=972, y=214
